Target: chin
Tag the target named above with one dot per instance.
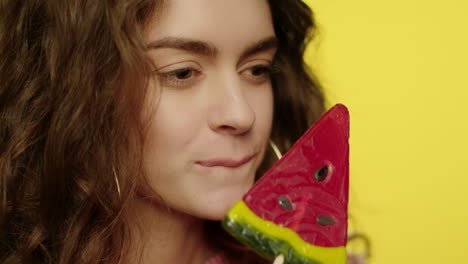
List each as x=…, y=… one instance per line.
x=219, y=205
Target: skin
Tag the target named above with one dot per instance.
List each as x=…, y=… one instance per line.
x=210, y=111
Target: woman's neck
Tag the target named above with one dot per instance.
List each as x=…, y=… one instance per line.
x=164, y=236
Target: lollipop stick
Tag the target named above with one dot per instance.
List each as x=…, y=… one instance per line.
x=279, y=259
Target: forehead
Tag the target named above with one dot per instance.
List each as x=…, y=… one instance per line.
x=226, y=23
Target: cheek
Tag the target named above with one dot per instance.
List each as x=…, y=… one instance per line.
x=262, y=103
x=171, y=131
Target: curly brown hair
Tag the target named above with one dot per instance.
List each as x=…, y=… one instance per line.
x=72, y=85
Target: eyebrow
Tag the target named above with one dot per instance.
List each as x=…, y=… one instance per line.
x=208, y=49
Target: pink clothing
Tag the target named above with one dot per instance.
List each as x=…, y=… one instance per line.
x=217, y=259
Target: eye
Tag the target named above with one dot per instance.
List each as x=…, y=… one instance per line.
x=179, y=78
x=260, y=70
x=258, y=74
x=182, y=74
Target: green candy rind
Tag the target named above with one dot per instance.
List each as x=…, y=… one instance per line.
x=264, y=245
x=270, y=240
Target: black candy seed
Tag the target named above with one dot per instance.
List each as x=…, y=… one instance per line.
x=285, y=203
x=321, y=173
x=325, y=220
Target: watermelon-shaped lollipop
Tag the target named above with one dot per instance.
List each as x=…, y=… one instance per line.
x=298, y=209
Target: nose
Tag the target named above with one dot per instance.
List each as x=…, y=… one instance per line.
x=231, y=112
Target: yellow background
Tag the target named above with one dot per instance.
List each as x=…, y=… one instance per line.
x=401, y=67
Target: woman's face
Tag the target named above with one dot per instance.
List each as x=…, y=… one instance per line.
x=212, y=101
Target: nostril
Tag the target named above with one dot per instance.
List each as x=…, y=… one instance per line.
x=237, y=130
x=226, y=128
x=237, y=123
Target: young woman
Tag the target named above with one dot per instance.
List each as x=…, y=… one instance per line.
x=128, y=128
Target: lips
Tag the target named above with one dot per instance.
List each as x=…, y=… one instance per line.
x=225, y=162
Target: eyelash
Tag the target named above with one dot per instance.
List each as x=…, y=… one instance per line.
x=265, y=70
x=172, y=79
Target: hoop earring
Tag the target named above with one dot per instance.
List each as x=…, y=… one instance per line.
x=116, y=180
x=275, y=149
x=366, y=251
